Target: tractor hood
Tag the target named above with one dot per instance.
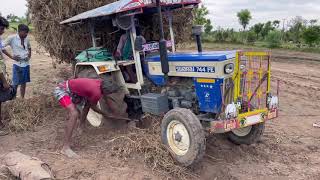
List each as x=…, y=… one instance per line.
x=204, y=56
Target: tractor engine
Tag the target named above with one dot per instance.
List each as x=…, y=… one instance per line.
x=181, y=93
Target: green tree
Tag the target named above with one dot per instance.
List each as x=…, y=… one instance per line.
x=219, y=35
x=266, y=29
x=311, y=35
x=200, y=18
x=13, y=18
x=257, y=28
x=276, y=23
x=28, y=16
x=244, y=17
x=297, y=25
x=208, y=26
x=313, y=22
x=273, y=39
x=251, y=37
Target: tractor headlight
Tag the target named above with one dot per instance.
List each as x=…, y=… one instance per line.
x=229, y=68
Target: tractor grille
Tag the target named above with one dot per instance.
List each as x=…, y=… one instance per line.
x=253, y=81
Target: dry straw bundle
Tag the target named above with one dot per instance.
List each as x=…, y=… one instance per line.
x=25, y=115
x=147, y=142
x=63, y=42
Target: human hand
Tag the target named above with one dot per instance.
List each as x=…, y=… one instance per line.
x=117, y=54
x=16, y=58
x=6, y=86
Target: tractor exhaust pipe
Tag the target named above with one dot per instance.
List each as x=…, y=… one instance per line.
x=199, y=45
x=197, y=30
x=162, y=43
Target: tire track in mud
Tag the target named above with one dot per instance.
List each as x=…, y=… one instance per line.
x=289, y=91
x=279, y=153
x=296, y=58
x=286, y=150
x=293, y=79
x=306, y=94
x=311, y=78
x=306, y=87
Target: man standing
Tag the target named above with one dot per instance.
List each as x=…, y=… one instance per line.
x=3, y=81
x=21, y=48
x=82, y=91
x=4, y=85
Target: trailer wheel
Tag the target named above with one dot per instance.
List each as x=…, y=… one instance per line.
x=183, y=135
x=248, y=135
x=118, y=101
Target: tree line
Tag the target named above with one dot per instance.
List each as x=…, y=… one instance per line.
x=15, y=20
x=298, y=32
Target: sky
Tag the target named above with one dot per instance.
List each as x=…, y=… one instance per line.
x=223, y=13
x=16, y=7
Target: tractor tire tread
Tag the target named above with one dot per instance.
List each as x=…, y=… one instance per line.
x=253, y=137
x=195, y=129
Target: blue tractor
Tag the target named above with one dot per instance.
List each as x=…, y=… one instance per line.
x=198, y=94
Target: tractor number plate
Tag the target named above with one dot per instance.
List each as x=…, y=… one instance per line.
x=198, y=69
x=154, y=46
x=251, y=120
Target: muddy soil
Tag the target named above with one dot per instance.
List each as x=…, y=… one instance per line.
x=289, y=149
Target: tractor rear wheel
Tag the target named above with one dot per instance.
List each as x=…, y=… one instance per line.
x=247, y=135
x=183, y=135
x=117, y=101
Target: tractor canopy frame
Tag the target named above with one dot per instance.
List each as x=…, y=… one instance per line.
x=128, y=9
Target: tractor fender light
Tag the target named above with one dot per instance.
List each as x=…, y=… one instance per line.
x=229, y=68
x=103, y=68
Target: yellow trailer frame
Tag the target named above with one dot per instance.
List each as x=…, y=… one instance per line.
x=254, y=70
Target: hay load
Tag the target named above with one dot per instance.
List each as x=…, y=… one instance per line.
x=25, y=115
x=63, y=42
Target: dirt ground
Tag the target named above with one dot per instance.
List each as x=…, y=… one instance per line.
x=290, y=147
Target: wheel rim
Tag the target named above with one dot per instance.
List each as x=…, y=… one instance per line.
x=242, y=131
x=178, y=137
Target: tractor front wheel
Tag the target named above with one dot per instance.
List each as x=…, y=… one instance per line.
x=247, y=135
x=183, y=135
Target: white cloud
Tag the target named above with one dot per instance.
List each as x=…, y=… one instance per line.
x=16, y=7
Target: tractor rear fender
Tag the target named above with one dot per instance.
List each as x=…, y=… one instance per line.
x=102, y=68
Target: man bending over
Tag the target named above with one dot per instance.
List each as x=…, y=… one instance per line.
x=81, y=91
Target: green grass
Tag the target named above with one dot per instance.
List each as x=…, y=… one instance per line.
x=210, y=42
x=221, y=46
x=260, y=46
